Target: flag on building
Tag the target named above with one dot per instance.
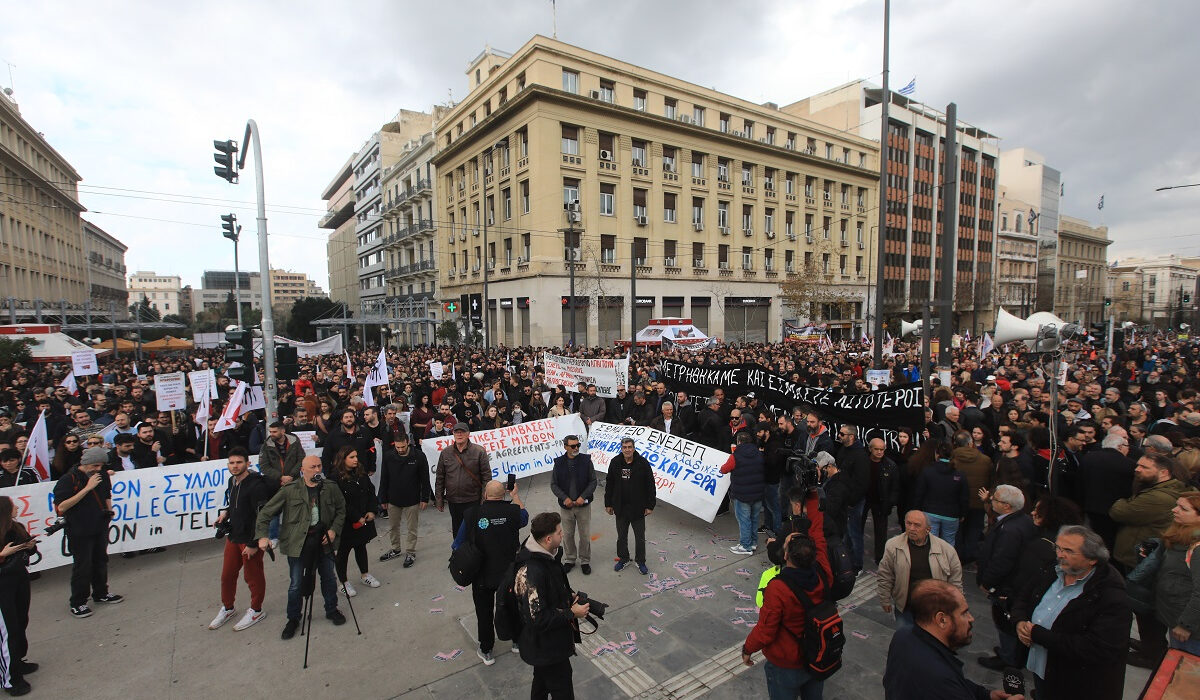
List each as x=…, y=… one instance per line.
x=232, y=410
x=37, y=451
x=910, y=88
x=1100, y=205
x=70, y=383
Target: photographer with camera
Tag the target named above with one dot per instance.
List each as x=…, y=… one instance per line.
x=83, y=498
x=548, y=609
x=14, y=599
x=313, y=512
x=245, y=495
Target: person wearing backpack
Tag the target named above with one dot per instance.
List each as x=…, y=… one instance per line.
x=798, y=630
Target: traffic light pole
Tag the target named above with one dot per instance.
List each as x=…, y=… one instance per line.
x=237, y=283
x=264, y=270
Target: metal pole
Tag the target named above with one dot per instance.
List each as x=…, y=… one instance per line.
x=571, y=247
x=881, y=243
x=237, y=281
x=926, y=337
x=484, y=311
x=633, y=329
x=1112, y=352
x=264, y=268
x=949, y=238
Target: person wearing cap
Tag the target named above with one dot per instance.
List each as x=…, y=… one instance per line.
x=84, y=498
x=836, y=501
x=462, y=470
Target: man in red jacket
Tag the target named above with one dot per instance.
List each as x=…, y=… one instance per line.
x=781, y=622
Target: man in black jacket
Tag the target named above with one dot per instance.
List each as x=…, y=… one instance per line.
x=548, y=609
x=246, y=493
x=573, y=483
x=835, y=487
x=710, y=428
x=883, y=493
x=495, y=528
x=403, y=483
x=629, y=493
x=353, y=435
x=999, y=557
x=1107, y=478
x=853, y=461
x=1077, y=649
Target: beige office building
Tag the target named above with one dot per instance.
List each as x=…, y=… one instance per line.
x=712, y=201
x=1125, y=289
x=105, y=269
x=287, y=286
x=1165, y=281
x=1016, y=257
x=340, y=250
x=162, y=292
x=1082, y=270
x=41, y=232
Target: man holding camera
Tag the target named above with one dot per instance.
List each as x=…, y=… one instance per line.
x=307, y=539
x=83, y=497
x=548, y=609
x=246, y=493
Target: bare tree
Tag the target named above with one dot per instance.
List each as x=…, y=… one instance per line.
x=811, y=291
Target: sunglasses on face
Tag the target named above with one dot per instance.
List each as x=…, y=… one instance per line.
x=573, y=447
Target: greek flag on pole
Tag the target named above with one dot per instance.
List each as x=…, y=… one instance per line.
x=1100, y=205
x=910, y=88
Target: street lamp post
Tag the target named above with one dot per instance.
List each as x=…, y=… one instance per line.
x=503, y=143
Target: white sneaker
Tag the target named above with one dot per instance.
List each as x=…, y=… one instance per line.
x=370, y=580
x=222, y=617
x=739, y=549
x=349, y=590
x=250, y=618
x=275, y=544
x=487, y=657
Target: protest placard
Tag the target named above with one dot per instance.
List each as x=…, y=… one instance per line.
x=524, y=449
x=687, y=474
x=170, y=393
x=606, y=373
x=83, y=362
x=203, y=380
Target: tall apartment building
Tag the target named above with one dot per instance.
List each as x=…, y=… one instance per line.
x=105, y=268
x=1024, y=176
x=341, y=248
x=916, y=153
x=1082, y=270
x=287, y=286
x=217, y=285
x=1016, y=257
x=41, y=232
x=712, y=201
x=380, y=152
x=162, y=292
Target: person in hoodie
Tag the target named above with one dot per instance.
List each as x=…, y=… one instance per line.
x=942, y=494
x=548, y=608
x=782, y=616
x=747, y=481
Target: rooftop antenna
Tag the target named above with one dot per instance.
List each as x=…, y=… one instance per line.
x=554, y=14
x=11, y=86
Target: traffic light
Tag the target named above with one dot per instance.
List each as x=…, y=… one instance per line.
x=226, y=167
x=286, y=363
x=241, y=351
x=1187, y=297
x=229, y=227
x=1107, y=302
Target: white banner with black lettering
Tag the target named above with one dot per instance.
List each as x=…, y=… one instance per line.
x=686, y=474
x=606, y=373
x=524, y=449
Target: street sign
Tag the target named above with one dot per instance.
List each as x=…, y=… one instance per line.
x=450, y=307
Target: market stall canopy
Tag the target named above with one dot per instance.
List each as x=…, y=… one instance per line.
x=676, y=332
x=47, y=341
x=168, y=343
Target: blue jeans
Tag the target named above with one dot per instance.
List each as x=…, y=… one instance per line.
x=943, y=527
x=747, y=520
x=273, y=528
x=791, y=683
x=854, y=534
x=772, y=517
x=328, y=584
x=903, y=619
x=1191, y=646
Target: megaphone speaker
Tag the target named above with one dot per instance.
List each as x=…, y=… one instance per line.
x=906, y=328
x=1009, y=329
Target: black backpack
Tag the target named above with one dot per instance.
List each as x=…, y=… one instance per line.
x=508, y=616
x=821, y=647
x=844, y=575
x=467, y=561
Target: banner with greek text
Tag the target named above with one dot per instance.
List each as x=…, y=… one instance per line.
x=153, y=508
x=894, y=407
x=524, y=449
x=686, y=474
x=606, y=373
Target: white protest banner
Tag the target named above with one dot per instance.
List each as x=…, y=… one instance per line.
x=201, y=381
x=308, y=439
x=686, y=474
x=524, y=449
x=606, y=373
x=170, y=391
x=83, y=362
x=435, y=370
x=878, y=377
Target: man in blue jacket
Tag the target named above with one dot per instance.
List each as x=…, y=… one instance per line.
x=921, y=661
x=573, y=483
x=747, y=480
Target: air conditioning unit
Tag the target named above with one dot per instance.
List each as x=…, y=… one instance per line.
x=452, y=271
x=845, y=244
x=828, y=197
x=641, y=220
x=475, y=232
x=762, y=139
x=697, y=225
x=451, y=241
x=606, y=155
x=748, y=231
x=669, y=262
x=685, y=119
x=462, y=236
x=698, y=262
x=807, y=238
x=724, y=264
x=520, y=261
x=594, y=94
x=639, y=261
x=491, y=220
x=770, y=234
x=668, y=168
x=768, y=185
x=791, y=268
x=861, y=245
x=724, y=230
x=475, y=268
x=491, y=264
x=747, y=183
x=637, y=163
x=790, y=146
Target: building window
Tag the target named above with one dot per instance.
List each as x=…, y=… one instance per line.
x=723, y=214
x=606, y=90
x=639, y=100
x=769, y=221
x=607, y=199
x=697, y=255
x=639, y=153
x=506, y=196
x=771, y=135
x=668, y=159
x=789, y=222
x=669, y=253
x=608, y=249
x=748, y=128
x=570, y=191
x=724, y=126
x=747, y=258
x=669, y=107
x=723, y=169
x=723, y=256
x=698, y=211
x=747, y=175
x=639, y=204
x=570, y=81
x=524, y=196
x=698, y=116
x=669, y=207
x=747, y=217
x=570, y=140
x=523, y=143
x=1125, y=286
x=525, y=246
x=697, y=164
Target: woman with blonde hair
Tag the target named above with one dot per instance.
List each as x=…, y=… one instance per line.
x=1177, y=587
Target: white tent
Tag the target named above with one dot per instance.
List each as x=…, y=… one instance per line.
x=48, y=342
x=677, y=332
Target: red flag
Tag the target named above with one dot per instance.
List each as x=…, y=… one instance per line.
x=37, y=453
x=229, y=416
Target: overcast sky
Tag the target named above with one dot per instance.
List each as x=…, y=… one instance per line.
x=133, y=93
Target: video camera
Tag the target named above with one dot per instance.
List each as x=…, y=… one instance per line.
x=804, y=471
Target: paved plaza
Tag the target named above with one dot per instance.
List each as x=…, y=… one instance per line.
x=679, y=639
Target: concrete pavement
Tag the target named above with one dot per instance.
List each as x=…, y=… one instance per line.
x=157, y=644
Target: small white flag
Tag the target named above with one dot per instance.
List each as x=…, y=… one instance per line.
x=349, y=368
x=69, y=382
x=229, y=416
x=37, y=451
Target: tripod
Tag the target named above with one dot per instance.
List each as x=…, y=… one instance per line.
x=310, y=556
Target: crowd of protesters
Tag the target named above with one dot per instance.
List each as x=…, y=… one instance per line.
x=996, y=485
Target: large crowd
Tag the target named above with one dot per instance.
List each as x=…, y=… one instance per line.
x=1073, y=513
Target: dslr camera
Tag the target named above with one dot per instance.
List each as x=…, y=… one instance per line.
x=222, y=529
x=597, y=608
x=804, y=471
x=58, y=524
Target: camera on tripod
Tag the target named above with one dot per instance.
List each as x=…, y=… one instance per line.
x=804, y=470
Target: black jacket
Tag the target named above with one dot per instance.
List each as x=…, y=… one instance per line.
x=887, y=483
x=638, y=477
x=359, y=495
x=711, y=430
x=584, y=479
x=22, y=476
x=243, y=501
x=617, y=409
x=920, y=666
x=678, y=425
x=942, y=490
x=1108, y=477
x=544, y=597
x=361, y=440
x=1089, y=640
x=854, y=462
x=404, y=480
x=499, y=540
x=836, y=505
x=1000, y=553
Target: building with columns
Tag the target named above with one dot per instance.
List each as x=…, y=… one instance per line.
x=710, y=201
x=1082, y=270
x=1016, y=257
x=105, y=268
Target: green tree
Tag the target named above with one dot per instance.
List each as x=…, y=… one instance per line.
x=305, y=311
x=14, y=350
x=143, y=311
x=449, y=332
